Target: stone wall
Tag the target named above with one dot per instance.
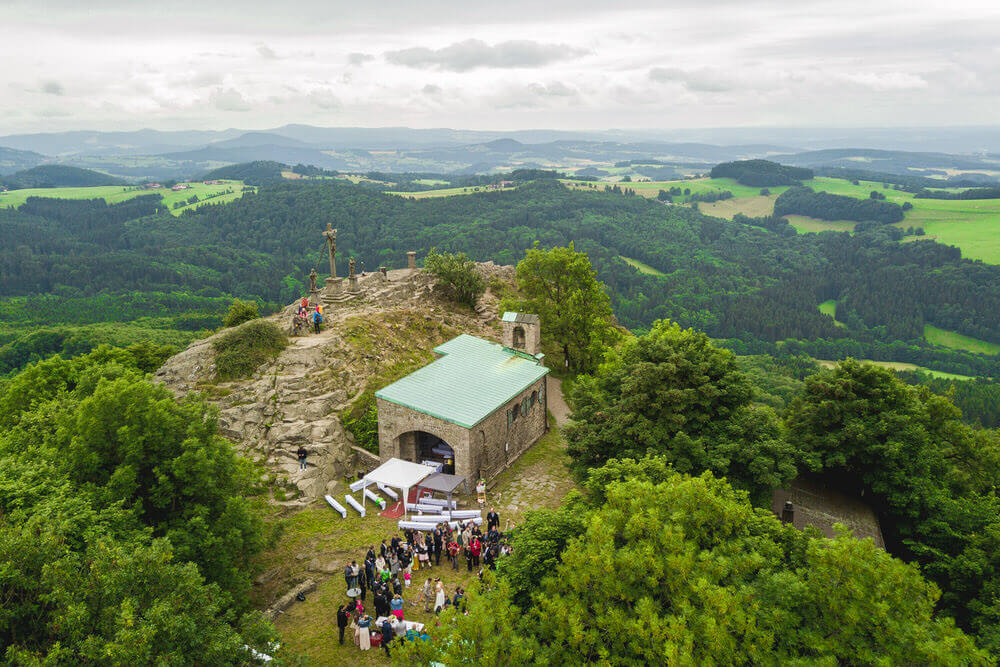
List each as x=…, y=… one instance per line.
x=496, y=445
x=397, y=423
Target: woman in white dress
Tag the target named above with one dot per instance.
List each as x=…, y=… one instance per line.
x=364, y=635
x=439, y=598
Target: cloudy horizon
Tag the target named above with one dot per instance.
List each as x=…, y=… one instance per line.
x=570, y=65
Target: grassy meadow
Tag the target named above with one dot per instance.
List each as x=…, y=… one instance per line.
x=900, y=366
x=113, y=194
x=958, y=341
x=640, y=267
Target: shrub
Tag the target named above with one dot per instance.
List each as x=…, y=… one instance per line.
x=239, y=352
x=240, y=312
x=458, y=273
x=362, y=422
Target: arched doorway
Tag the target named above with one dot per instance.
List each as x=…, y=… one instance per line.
x=428, y=447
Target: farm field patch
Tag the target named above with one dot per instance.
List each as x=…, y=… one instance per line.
x=113, y=194
x=755, y=207
x=900, y=366
x=830, y=308
x=640, y=267
x=957, y=341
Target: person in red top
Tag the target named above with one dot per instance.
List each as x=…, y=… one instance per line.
x=476, y=547
x=453, y=550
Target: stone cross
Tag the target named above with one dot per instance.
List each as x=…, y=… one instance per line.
x=331, y=246
x=312, y=280
x=351, y=264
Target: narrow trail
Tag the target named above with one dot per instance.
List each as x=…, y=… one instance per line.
x=557, y=402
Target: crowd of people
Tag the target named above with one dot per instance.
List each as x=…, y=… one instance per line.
x=388, y=570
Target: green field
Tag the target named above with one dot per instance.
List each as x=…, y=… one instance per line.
x=900, y=366
x=958, y=341
x=431, y=181
x=640, y=267
x=446, y=192
x=116, y=193
x=830, y=308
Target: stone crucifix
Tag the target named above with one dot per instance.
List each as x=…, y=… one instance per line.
x=331, y=246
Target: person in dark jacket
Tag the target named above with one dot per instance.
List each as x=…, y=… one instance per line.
x=492, y=519
x=302, y=453
x=387, y=636
x=342, y=619
x=438, y=545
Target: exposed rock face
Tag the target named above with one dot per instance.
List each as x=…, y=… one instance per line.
x=296, y=400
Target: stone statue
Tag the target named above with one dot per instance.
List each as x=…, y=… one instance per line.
x=331, y=246
x=352, y=267
x=312, y=280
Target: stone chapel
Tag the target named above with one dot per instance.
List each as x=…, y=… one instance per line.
x=475, y=408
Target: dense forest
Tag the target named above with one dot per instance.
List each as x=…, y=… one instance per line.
x=801, y=200
x=761, y=173
x=972, y=193
x=732, y=280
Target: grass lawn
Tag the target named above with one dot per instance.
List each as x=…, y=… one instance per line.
x=640, y=267
x=756, y=207
x=431, y=181
x=900, y=366
x=804, y=224
x=972, y=225
x=958, y=341
x=830, y=308
x=113, y=194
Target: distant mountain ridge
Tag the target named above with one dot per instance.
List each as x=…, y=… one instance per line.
x=58, y=176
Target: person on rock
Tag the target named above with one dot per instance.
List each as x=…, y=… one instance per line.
x=302, y=453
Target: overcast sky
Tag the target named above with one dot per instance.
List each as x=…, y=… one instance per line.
x=514, y=64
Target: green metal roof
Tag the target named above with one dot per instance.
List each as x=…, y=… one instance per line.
x=469, y=382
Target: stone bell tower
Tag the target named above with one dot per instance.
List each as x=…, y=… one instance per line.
x=522, y=332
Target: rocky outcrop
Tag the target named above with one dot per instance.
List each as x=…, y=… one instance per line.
x=296, y=400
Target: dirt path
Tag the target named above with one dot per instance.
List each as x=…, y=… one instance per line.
x=557, y=402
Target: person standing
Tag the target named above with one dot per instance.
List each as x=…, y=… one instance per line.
x=342, y=619
x=317, y=318
x=453, y=550
x=439, y=597
x=302, y=453
x=364, y=634
x=492, y=519
x=438, y=544
x=476, y=548
x=429, y=543
x=387, y=636
x=397, y=606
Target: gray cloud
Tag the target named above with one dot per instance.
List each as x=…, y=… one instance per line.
x=555, y=89
x=431, y=89
x=229, y=99
x=266, y=52
x=359, y=58
x=324, y=99
x=699, y=81
x=52, y=88
x=473, y=54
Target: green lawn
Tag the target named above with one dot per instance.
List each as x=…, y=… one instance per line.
x=114, y=194
x=431, y=181
x=640, y=267
x=901, y=366
x=830, y=308
x=958, y=341
x=804, y=224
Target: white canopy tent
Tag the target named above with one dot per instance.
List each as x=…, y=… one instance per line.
x=398, y=474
